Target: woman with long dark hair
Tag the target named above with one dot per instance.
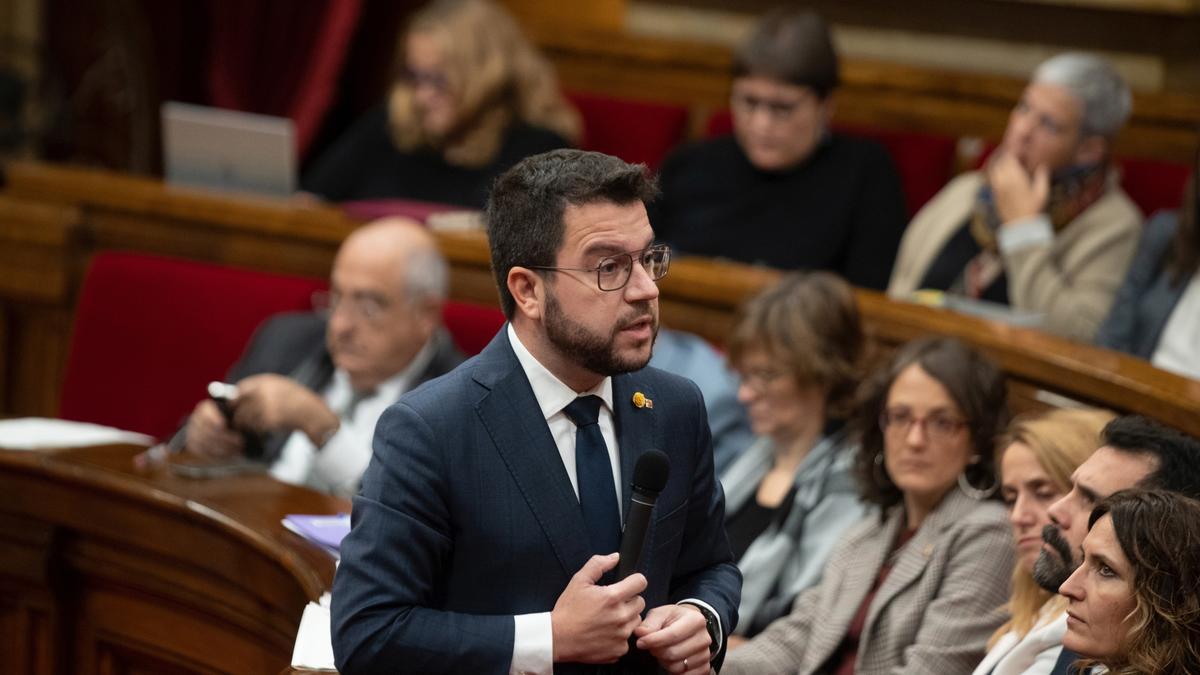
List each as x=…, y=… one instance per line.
x=1134, y=604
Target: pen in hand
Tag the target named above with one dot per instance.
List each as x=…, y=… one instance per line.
x=222, y=394
x=158, y=454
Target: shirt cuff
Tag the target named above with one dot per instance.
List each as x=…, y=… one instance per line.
x=1025, y=233
x=340, y=463
x=533, y=645
x=715, y=613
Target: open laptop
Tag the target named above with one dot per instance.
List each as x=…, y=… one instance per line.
x=228, y=150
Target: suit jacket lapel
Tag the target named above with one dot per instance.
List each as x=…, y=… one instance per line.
x=911, y=563
x=635, y=429
x=859, y=579
x=510, y=413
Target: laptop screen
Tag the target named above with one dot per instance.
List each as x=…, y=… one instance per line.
x=228, y=150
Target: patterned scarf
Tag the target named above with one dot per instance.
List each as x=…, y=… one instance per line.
x=1071, y=193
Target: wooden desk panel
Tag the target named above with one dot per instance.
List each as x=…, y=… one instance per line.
x=105, y=570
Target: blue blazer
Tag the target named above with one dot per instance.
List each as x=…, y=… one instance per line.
x=1065, y=665
x=467, y=517
x=1146, y=298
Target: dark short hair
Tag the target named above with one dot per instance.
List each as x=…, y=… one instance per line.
x=790, y=45
x=972, y=380
x=1176, y=455
x=809, y=323
x=524, y=213
x=1159, y=533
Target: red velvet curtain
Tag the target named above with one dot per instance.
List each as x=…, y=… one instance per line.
x=280, y=57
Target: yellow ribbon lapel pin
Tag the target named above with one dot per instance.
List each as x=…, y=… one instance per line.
x=640, y=400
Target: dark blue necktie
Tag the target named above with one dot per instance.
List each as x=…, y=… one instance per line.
x=597, y=495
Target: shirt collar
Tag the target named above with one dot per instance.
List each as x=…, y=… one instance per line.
x=551, y=393
x=391, y=388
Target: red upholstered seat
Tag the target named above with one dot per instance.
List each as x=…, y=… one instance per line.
x=925, y=162
x=151, y=332
x=1152, y=184
x=472, y=326
x=719, y=124
x=635, y=131
x=370, y=209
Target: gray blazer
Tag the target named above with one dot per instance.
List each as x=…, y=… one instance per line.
x=933, y=614
x=1071, y=281
x=1146, y=298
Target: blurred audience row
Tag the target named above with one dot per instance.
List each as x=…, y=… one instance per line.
x=913, y=528
x=880, y=525
x=886, y=514
x=1042, y=233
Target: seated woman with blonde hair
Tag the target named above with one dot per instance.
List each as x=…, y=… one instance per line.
x=798, y=347
x=1037, y=456
x=474, y=98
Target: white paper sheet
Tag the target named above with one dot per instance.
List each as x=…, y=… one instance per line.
x=314, y=645
x=37, y=433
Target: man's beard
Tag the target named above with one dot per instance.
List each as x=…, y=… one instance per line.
x=1051, y=570
x=591, y=351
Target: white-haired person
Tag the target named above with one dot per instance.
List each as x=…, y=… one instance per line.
x=1044, y=228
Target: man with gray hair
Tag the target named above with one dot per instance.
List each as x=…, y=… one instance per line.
x=311, y=386
x=1044, y=228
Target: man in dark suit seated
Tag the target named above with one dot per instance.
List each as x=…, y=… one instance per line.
x=311, y=386
x=1134, y=452
x=484, y=535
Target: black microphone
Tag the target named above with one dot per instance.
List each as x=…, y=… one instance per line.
x=649, y=478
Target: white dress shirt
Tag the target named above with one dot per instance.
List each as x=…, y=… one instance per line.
x=533, y=643
x=338, y=466
x=1178, y=347
x=1034, y=653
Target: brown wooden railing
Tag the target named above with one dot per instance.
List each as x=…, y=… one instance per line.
x=52, y=218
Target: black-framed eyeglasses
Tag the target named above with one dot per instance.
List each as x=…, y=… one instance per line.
x=777, y=108
x=613, y=272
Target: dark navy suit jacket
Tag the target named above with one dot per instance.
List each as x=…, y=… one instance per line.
x=1065, y=663
x=1147, y=297
x=293, y=344
x=467, y=517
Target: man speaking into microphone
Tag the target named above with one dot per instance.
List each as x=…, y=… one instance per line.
x=484, y=539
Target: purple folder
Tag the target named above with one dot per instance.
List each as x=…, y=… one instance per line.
x=326, y=531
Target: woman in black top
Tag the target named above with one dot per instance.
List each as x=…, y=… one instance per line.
x=783, y=191
x=474, y=98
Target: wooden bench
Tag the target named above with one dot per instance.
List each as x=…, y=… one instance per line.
x=52, y=218
x=105, y=570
